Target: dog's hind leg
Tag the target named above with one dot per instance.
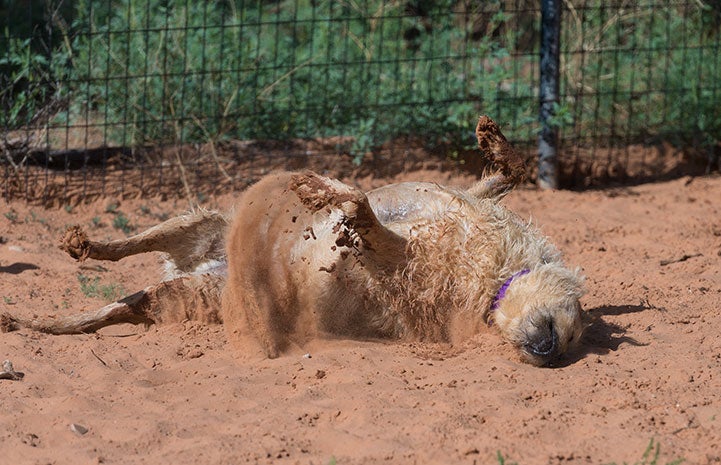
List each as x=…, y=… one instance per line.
x=194, y=297
x=512, y=169
x=384, y=247
x=189, y=240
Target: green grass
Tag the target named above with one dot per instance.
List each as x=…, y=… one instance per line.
x=651, y=456
x=157, y=71
x=11, y=216
x=91, y=287
x=122, y=222
x=502, y=460
x=194, y=72
x=35, y=218
x=112, y=207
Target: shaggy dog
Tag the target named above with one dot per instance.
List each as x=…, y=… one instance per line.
x=309, y=256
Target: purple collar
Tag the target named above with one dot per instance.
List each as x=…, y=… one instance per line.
x=504, y=288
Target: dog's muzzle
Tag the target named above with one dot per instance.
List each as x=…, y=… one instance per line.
x=543, y=344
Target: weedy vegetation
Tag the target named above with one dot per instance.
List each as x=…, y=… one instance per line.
x=157, y=71
x=651, y=456
x=91, y=287
x=122, y=222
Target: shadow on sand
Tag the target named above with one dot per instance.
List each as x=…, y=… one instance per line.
x=17, y=268
x=602, y=337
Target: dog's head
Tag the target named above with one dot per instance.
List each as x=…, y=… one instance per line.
x=540, y=312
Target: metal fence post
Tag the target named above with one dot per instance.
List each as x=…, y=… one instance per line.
x=548, y=93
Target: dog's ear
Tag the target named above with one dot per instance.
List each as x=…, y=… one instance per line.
x=576, y=282
x=573, y=281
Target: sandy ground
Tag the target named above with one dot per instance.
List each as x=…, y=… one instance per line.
x=649, y=367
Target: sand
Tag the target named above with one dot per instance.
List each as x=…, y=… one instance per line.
x=648, y=369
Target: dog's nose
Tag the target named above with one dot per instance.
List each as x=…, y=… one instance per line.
x=544, y=343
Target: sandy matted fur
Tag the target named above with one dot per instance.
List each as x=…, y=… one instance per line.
x=308, y=256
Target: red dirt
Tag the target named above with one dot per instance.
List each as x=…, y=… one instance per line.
x=649, y=366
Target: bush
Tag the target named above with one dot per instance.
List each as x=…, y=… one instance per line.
x=643, y=71
x=165, y=71
x=171, y=71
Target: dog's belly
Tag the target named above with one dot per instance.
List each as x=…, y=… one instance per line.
x=332, y=283
x=408, y=201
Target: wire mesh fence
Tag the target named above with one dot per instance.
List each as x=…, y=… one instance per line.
x=128, y=96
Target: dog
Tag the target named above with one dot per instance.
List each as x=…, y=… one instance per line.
x=305, y=256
